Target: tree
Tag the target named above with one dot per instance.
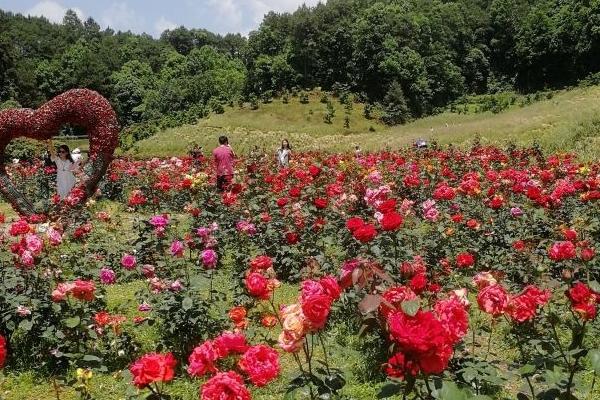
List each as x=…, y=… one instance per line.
x=394, y=104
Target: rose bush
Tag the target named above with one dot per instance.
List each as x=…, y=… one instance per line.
x=450, y=273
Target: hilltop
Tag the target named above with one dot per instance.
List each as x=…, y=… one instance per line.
x=569, y=121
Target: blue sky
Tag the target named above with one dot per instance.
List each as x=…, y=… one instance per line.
x=154, y=16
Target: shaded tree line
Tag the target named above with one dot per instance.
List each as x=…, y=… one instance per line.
x=411, y=57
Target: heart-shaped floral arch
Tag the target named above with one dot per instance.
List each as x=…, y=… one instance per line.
x=79, y=107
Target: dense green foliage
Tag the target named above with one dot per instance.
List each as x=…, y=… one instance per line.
x=412, y=57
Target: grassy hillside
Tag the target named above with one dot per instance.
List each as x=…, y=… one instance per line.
x=569, y=121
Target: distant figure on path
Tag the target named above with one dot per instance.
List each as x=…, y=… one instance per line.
x=283, y=154
x=357, y=151
x=197, y=155
x=224, y=157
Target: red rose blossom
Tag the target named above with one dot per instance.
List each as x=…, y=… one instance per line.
x=153, y=367
x=225, y=386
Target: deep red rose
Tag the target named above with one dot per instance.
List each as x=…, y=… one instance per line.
x=418, y=283
x=316, y=309
x=292, y=238
x=320, y=203
x=230, y=343
x=465, y=260
x=365, y=233
x=258, y=286
x=153, y=367
x=561, y=251
x=518, y=245
x=354, y=223
x=391, y=221
x=314, y=171
x=3, y=351
x=399, y=366
x=330, y=287
x=387, y=206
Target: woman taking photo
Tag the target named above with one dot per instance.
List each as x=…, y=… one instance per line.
x=283, y=154
x=65, y=169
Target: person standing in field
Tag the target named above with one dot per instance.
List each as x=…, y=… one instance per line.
x=284, y=153
x=65, y=169
x=224, y=157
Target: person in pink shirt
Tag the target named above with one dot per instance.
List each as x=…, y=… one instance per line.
x=224, y=157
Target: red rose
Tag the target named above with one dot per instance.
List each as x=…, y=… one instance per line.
x=292, y=238
x=153, y=367
x=281, y=202
x=583, y=300
x=354, y=223
x=230, y=343
x=225, y=386
x=261, y=363
x=393, y=298
x=465, y=260
x=587, y=254
x=365, y=233
x=258, y=286
x=423, y=337
x=261, y=262
x=570, y=234
x=562, y=251
x=83, y=290
x=518, y=245
x=387, y=206
x=316, y=309
x=453, y=317
x=202, y=360
x=418, y=283
x=391, y=221
x=314, y=171
x=320, y=203
x=330, y=287
x=399, y=366
x=3, y=351
x=295, y=192
x=493, y=300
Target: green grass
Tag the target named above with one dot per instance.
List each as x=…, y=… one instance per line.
x=570, y=121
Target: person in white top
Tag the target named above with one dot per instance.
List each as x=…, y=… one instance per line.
x=65, y=169
x=284, y=153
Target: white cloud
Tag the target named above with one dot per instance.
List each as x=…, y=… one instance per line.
x=119, y=16
x=163, y=24
x=240, y=16
x=53, y=11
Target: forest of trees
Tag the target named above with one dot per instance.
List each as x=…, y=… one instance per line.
x=409, y=57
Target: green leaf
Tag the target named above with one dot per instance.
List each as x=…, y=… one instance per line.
x=72, y=322
x=90, y=357
x=187, y=303
x=25, y=325
x=527, y=369
x=595, y=286
x=389, y=390
x=410, y=307
x=594, y=357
